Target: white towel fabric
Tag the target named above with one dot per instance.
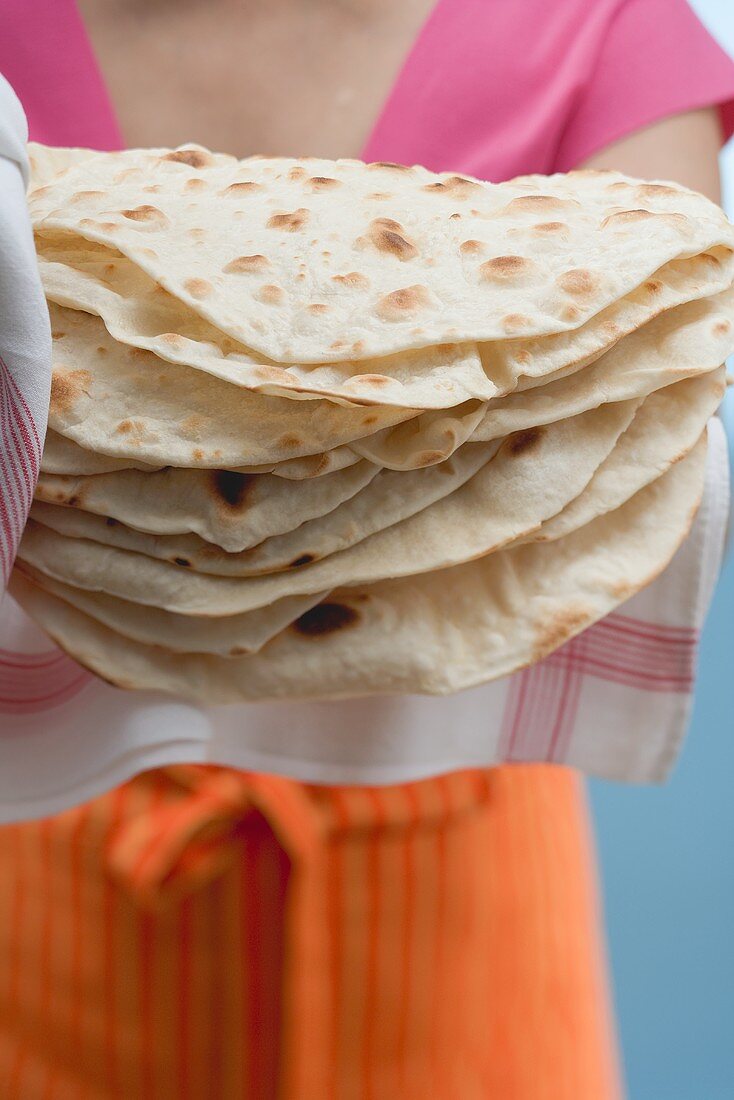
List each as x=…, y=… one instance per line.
x=613, y=702
x=25, y=338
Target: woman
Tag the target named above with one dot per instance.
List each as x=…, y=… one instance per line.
x=198, y=932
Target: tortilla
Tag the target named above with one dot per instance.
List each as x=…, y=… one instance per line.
x=386, y=499
x=193, y=222
x=123, y=402
x=474, y=622
x=689, y=340
x=233, y=510
x=137, y=311
x=230, y=636
x=64, y=456
x=666, y=426
x=532, y=477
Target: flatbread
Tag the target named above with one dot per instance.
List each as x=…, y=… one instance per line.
x=666, y=426
x=227, y=637
x=387, y=499
x=474, y=622
x=137, y=311
x=187, y=219
x=64, y=456
x=235, y=511
x=532, y=477
x=127, y=403
x=689, y=340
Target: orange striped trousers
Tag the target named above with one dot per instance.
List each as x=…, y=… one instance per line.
x=206, y=934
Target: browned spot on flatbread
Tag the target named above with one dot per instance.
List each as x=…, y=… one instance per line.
x=536, y=204
x=126, y=174
x=80, y=196
x=270, y=294
x=67, y=386
x=322, y=183
x=627, y=217
x=290, y=440
x=521, y=442
x=241, y=188
x=379, y=196
x=290, y=222
x=106, y=227
x=472, y=248
x=232, y=488
x=456, y=187
x=246, y=265
x=173, y=339
x=550, y=227
x=195, y=184
x=196, y=424
x=388, y=236
x=622, y=589
x=130, y=427
x=325, y=618
x=272, y=374
x=371, y=380
x=401, y=304
x=429, y=458
x=560, y=627
x=148, y=215
x=195, y=158
x=579, y=282
x=721, y=328
x=353, y=279
x=390, y=165
x=653, y=286
x=655, y=190
x=303, y=559
x=296, y=173
x=516, y=322
x=501, y=268
x=317, y=307
x=198, y=288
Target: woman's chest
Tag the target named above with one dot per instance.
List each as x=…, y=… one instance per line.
x=267, y=76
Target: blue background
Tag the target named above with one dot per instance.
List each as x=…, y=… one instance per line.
x=666, y=856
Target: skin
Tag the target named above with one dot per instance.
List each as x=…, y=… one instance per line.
x=281, y=77
x=208, y=69
x=684, y=148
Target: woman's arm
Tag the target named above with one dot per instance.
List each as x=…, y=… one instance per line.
x=683, y=148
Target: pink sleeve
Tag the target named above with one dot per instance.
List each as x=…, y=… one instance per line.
x=47, y=57
x=656, y=59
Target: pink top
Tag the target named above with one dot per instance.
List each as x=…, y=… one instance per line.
x=494, y=88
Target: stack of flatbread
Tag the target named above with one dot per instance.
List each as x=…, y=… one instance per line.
x=322, y=429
